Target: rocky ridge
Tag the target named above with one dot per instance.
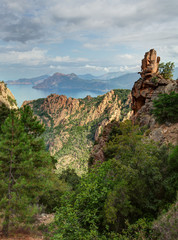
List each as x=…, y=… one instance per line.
x=6, y=97
x=72, y=125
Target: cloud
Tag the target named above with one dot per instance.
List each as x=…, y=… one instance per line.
x=56, y=67
x=68, y=59
x=129, y=68
x=96, y=68
x=127, y=59
x=27, y=21
x=34, y=57
x=23, y=31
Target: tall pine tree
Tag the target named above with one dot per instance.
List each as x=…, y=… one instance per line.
x=25, y=168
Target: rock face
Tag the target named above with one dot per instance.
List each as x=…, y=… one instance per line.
x=150, y=64
x=144, y=91
x=6, y=97
x=97, y=154
x=72, y=125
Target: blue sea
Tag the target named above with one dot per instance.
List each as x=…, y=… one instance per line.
x=26, y=92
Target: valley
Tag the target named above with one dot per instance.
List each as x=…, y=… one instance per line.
x=73, y=125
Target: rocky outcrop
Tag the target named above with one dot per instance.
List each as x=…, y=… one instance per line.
x=72, y=125
x=144, y=91
x=150, y=64
x=151, y=82
x=6, y=97
x=97, y=153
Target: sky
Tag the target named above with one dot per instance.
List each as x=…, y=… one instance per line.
x=40, y=37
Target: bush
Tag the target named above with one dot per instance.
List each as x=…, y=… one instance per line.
x=165, y=108
x=166, y=69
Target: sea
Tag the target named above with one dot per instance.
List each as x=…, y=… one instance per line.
x=26, y=92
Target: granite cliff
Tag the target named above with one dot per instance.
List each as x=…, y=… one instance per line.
x=73, y=125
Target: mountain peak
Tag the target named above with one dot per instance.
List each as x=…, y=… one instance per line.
x=59, y=74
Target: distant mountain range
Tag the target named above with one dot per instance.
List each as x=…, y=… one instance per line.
x=28, y=81
x=72, y=81
x=87, y=82
x=106, y=76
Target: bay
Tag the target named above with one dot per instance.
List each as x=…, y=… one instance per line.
x=26, y=92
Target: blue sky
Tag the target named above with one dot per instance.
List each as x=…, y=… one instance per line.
x=84, y=36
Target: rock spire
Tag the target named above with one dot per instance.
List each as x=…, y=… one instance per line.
x=150, y=64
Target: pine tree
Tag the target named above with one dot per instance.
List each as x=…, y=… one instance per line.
x=32, y=125
x=4, y=112
x=25, y=167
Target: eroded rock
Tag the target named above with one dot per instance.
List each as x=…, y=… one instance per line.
x=150, y=64
x=147, y=89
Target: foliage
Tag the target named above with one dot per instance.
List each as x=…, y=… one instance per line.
x=139, y=230
x=4, y=112
x=52, y=198
x=24, y=164
x=120, y=197
x=69, y=176
x=64, y=182
x=165, y=107
x=80, y=215
x=166, y=69
x=11, y=100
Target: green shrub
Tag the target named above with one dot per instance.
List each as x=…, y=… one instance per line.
x=165, y=108
x=166, y=69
